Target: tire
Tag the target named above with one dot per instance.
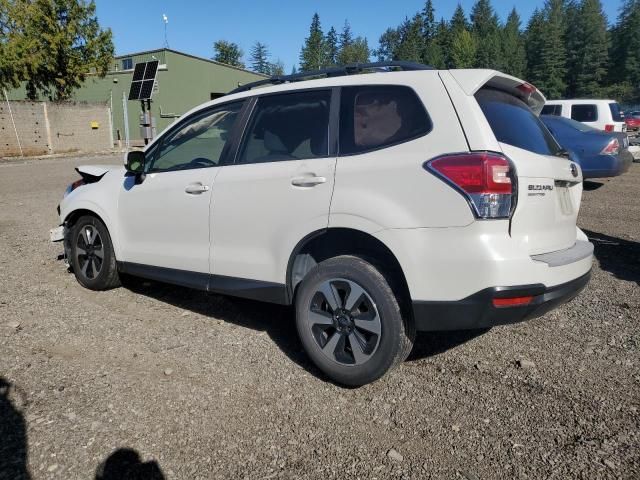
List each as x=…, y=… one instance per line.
x=346, y=299
x=89, y=240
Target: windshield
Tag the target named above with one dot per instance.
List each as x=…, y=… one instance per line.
x=513, y=122
x=616, y=114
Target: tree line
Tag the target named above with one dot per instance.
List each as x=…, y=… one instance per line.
x=259, y=57
x=567, y=48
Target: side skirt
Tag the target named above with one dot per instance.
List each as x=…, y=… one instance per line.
x=237, y=287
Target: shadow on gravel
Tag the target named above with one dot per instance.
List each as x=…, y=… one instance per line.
x=13, y=437
x=429, y=344
x=277, y=321
x=590, y=185
x=617, y=256
x=125, y=464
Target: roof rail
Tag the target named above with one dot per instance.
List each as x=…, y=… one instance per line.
x=349, y=69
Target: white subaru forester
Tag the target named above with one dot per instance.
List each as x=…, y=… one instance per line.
x=400, y=199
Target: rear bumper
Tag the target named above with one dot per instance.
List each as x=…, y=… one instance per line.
x=477, y=311
x=601, y=166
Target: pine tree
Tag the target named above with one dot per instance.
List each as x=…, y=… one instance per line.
x=463, y=49
x=331, y=46
x=260, y=58
x=345, y=42
x=593, y=49
x=276, y=68
x=546, y=50
x=625, y=51
x=411, y=45
x=572, y=41
x=436, y=47
x=312, y=56
x=514, y=58
x=429, y=25
x=486, y=30
x=388, y=45
x=228, y=52
x=459, y=20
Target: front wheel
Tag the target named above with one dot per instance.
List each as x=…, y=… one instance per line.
x=92, y=256
x=349, y=321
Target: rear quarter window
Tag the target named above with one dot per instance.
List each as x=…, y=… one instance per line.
x=513, y=122
x=375, y=117
x=584, y=113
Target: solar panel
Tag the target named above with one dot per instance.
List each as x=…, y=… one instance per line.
x=150, y=71
x=144, y=77
x=134, y=93
x=138, y=73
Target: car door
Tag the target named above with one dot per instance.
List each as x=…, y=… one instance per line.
x=164, y=217
x=278, y=189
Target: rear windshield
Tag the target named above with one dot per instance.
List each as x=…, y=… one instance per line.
x=552, y=110
x=616, y=114
x=513, y=122
x=570, y=123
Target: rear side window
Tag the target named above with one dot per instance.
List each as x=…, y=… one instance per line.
x=374, y=117
x=552, y=110
x=584, y=113
x=616, y=114
x=290, y=126
x=513, y=122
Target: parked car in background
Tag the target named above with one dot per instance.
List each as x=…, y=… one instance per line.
x=601, y=114
x=599, y=154
x=632, y=119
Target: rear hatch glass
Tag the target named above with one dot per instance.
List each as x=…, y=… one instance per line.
x=548, y=193
x=616, y=114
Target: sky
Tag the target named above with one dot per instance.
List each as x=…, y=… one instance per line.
x=281, y=24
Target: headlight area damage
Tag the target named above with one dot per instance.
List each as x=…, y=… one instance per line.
x=89, y=174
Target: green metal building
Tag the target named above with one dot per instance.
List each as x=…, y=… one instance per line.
x=183, y=82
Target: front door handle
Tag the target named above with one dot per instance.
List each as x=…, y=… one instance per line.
x=307, y=181
x=196, y=188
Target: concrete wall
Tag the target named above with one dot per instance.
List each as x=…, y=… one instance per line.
x=46, y=128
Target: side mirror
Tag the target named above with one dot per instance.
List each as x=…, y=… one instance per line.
x=134, y=162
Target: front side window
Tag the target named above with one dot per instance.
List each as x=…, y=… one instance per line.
x=584, y=113
x=290, y=126
x=513, y=122
x=373, y=117
x=199, y=142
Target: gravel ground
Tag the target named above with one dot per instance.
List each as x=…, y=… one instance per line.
x=189, y=385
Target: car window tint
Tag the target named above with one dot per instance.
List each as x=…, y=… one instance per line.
x=373, y=117
x=513, y=122
x=199, y=142
x=551, y=110
x=584, y=113
x=616, y=114
x=290, y=126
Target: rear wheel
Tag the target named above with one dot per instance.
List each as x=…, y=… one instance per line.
x=350, y=322
x=92, y=256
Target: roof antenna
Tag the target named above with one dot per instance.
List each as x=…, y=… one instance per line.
x=165, y=20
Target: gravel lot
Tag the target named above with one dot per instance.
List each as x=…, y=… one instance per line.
x=205, y=386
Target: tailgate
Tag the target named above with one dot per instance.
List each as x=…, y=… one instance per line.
x=549, y=186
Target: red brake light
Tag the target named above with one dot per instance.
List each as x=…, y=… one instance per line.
x=527, y=88
x=512, y=302
x=609, y=128
x=612, y=148
x=484, y=177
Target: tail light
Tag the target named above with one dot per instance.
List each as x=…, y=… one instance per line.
x=612, y=148
x=484, y=178
x=609, y=128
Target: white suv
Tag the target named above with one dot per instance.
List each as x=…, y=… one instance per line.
x=401, y=199
x=601, y=114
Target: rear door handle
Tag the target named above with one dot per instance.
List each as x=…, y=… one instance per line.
x=307, y=181
x=196, y=188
